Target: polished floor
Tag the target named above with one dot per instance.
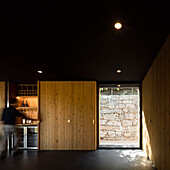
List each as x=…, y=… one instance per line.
x=78, y=160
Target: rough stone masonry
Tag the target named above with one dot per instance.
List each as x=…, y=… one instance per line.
x=119, y=118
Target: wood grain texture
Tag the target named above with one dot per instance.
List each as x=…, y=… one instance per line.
x=156, y=109
x=67, y=111
x=38, y=105
x=2, y=96
x=12, y=91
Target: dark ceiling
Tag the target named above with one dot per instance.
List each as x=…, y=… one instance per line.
x=75, y=40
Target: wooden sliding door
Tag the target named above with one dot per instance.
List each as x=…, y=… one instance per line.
x=2, y=96
x=68, y=115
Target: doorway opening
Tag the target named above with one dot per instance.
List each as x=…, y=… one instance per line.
x=119, y=117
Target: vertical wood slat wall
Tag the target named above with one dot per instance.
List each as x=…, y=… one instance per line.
x=61, y=101
x=2, y=96
x=156, y=109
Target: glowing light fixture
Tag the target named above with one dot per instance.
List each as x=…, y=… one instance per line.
x=39, y=71
x=118, y=25
x=119, y=71
x=118, y=85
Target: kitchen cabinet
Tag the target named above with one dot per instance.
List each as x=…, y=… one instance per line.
x=28, y=137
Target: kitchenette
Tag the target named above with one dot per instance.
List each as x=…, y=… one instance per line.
x=27, y=103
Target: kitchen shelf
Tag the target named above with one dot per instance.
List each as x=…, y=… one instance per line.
x=31, y=108
x=31, y=124
x=27, y=90
x=26, y=96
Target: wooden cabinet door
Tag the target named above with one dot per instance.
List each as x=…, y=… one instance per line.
x=90, y=120
x=2, y=97
x=68, y=113
x=75, y=113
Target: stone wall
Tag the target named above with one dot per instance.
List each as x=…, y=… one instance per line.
x=119, y=118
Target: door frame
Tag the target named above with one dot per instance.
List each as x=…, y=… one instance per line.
x=114, y=84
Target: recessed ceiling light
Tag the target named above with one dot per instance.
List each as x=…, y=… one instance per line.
x=118, y=25
x=118, y=85
x=119, y=71
x=39, y=71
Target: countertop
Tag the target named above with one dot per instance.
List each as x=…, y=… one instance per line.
x=35, y=124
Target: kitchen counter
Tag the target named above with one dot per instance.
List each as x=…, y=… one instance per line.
x=27, y=124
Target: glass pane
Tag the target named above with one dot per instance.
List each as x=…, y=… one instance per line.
x=119, y=117
x=32, y=137
x=20, y=132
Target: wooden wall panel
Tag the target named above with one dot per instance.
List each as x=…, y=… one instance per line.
x=2, y=96
x=67, y=111
x=12, y=87
x=156, y=109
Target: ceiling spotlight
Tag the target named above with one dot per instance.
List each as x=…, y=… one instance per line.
x=118, y=25
x=119, y=71
x=39, y=71
x=118, y=85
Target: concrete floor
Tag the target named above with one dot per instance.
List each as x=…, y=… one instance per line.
x=126, y=143
x=78, y=160
x=118, y=144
